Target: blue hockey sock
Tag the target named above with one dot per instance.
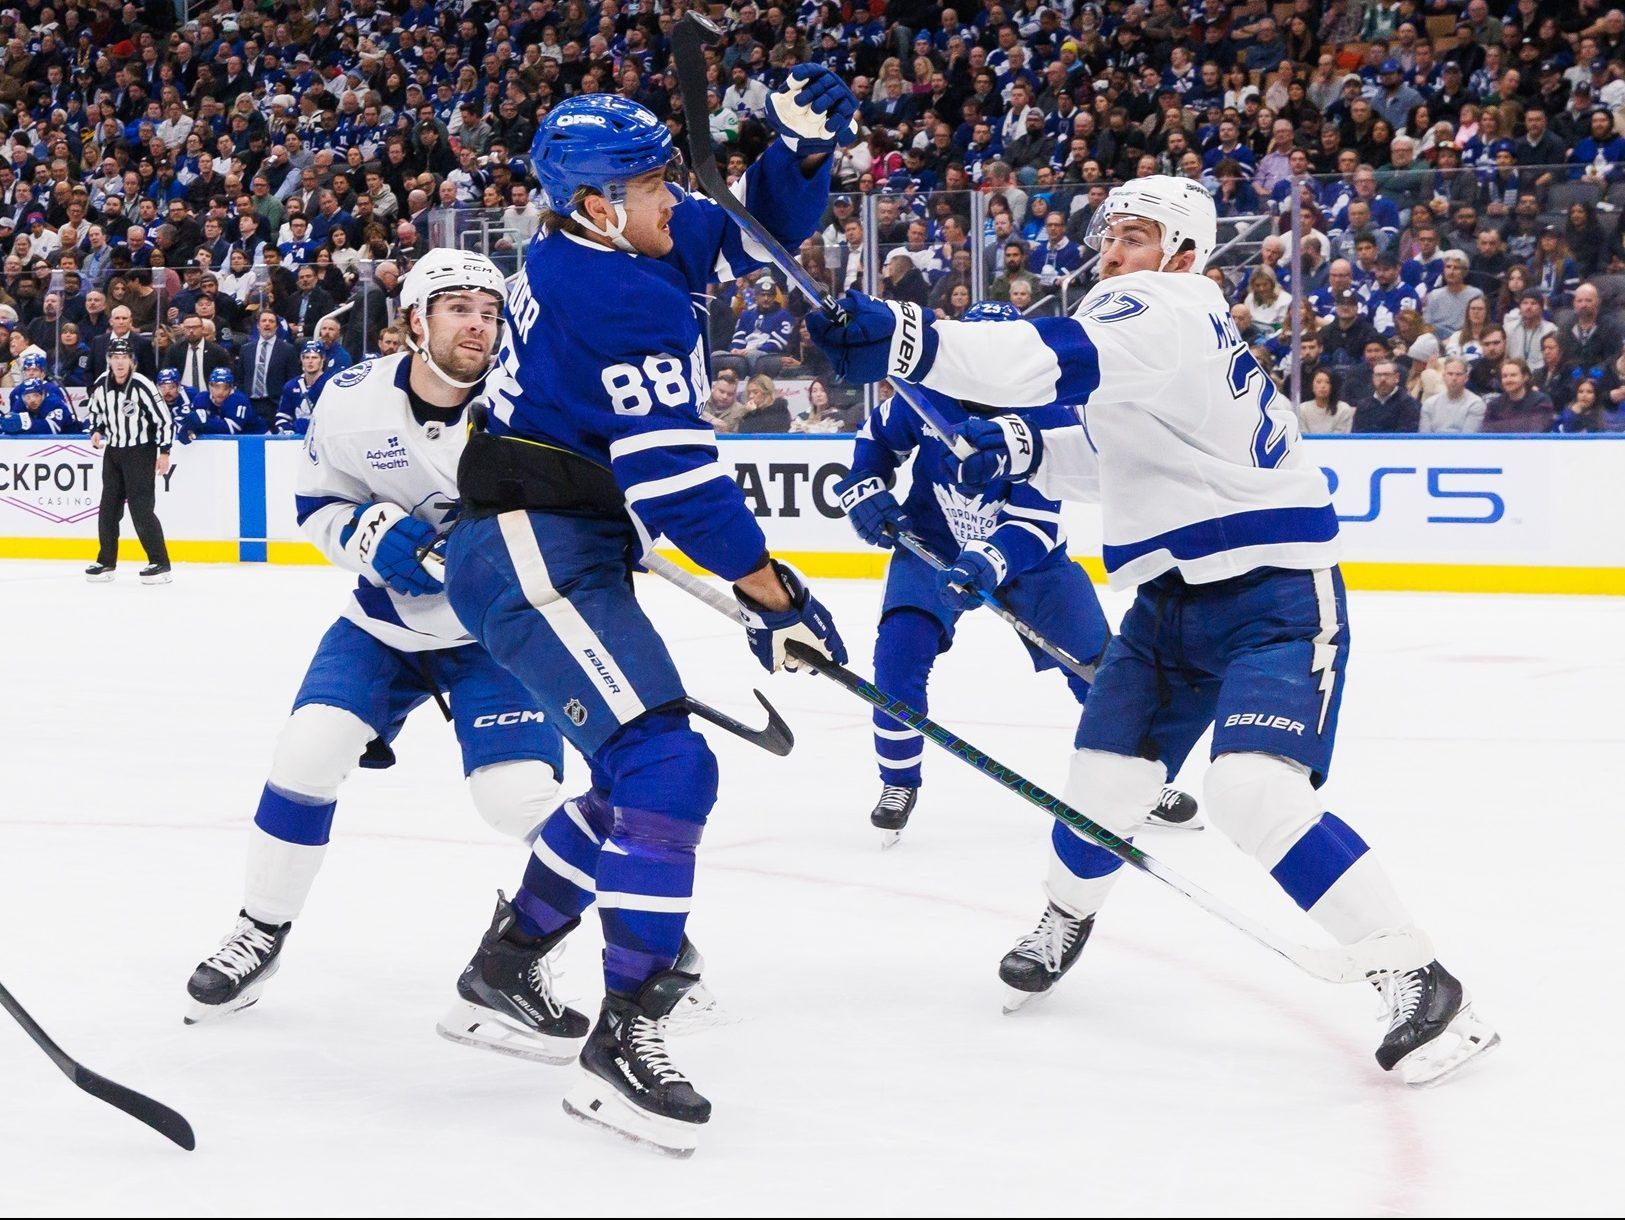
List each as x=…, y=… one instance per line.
x=1318, y=860
x=558, y=882
x=906, y=648
x=645, y=883
x=294, y=818
x=1080, y=857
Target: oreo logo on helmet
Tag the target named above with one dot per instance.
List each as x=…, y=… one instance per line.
x=577, y=120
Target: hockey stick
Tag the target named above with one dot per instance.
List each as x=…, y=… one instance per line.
x=1383, y=954
x=776, y=738
x=689, y=38
x=917, y=547
x=155, y=1114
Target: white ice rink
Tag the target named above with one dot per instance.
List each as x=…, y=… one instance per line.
x=1178, y=1070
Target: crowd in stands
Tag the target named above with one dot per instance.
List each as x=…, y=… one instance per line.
x=1436, y=184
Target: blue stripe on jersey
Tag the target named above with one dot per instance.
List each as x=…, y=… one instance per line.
x=1257, y=527
x=304, y=506
x=1314, y=863
x=375, y=602
x=1075, y=353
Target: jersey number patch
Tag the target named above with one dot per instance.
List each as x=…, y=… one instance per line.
x=670, y=381
x=1270, y=435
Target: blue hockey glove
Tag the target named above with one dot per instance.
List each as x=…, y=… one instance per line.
x=872, y=509
x=384, y=538
x=806, y=620
x=1006, y=448
x=859, y=351
x=813, y=111
x=980, y=569
x=12, y=424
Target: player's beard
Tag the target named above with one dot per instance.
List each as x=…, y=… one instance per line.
x=456, y=360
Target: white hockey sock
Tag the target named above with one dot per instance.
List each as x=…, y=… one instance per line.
x=1116, y=791
x=280, y=875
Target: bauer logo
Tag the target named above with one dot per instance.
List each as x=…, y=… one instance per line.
x=60, y=484
x=1263, y=720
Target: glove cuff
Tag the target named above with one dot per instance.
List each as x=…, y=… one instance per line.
x=856, y=491
x=1021, y=443
x=913, y=342
x=370, y=523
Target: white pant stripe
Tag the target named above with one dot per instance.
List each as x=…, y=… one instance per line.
x=897, y=764
x=896, y=734
x=552, y=861
x=612, y=685
x=573, y=812
x=644, y=902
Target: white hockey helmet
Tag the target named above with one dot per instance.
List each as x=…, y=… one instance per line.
x=441, y=271
x=1181, y=207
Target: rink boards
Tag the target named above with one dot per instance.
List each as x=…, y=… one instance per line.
x=1454, y=514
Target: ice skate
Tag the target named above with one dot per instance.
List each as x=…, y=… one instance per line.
x=505, y=1001
x=100, y=573
x=629, y=1085
x=155, y=574
x=1041, y=957
x=232, y=978
x=1175, y=810
x=891, y=811
x=1432, y=1029
x=698, y=1009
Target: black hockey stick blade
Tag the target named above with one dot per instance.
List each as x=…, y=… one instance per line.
x=168, y=1123
x=776, y=738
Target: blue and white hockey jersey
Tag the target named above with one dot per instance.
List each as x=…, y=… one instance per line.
x=365, y=445
x=1199, y=463
x=1021, y=522
x=603, y=355
x=297, y=402
x=55, y=416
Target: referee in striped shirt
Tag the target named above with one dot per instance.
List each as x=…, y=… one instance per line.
x=130, y=417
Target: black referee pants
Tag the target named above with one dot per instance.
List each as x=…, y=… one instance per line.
x=129, y=475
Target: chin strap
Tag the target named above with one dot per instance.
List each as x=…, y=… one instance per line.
x=422, y=351
x=614, y=233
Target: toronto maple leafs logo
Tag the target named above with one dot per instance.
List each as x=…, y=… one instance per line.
x=968, y=518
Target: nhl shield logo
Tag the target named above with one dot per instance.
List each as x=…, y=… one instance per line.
x=432, y=432
x=576, y=712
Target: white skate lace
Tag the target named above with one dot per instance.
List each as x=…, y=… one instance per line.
x=894, y=797
x=1401, y=994
x=649, y=1045
x=541, y=974
x=1049, y=941
x=1168, y=800
x=242, y=951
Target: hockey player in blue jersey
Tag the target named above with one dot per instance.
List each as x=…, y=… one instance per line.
x=300, y=394
x=40, y=406
x=189, y=408
x=1214, y=511
x=374, y=490
x=1008, y=539
x=227, y=411
x=596, y=448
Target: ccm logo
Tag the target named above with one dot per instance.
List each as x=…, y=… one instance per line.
x=504, y=719
x=1262, y=721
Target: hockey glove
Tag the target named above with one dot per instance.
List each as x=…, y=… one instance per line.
x=981, y=568
x=872, y=510
x=860, y=350
x=12, y=424
x=1006, y=448
x=806, y=620
x=385, y=539
x=813, y=111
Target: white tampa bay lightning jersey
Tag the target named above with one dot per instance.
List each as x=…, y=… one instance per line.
x=1197, y=456
x=365, y=446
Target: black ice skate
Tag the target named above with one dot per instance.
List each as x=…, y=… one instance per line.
x=505, y=1001
x=891, y=811
x=698, y=1008
x=233, y=977
x=1176, y=810
x=155, y=574
x=1432, y=1029
x=1041, y=957
x=100, y=573
x=629, y=1084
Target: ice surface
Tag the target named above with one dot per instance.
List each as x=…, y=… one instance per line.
x=1180, y=1069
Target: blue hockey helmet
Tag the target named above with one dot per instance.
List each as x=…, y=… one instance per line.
x=599, y=141
x=992, y=311
x=33, y=360
x=169, y=377
x=313, y=345
x=222, y=376
x=32, y=386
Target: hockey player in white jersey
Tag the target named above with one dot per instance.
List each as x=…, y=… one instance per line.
x=376, y=488
x=1212, y=509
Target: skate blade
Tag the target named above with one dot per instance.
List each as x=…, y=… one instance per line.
x=1466, y=1039
x=1194, y=822
x=597, y=1104
x=105, y=578
x=1015, y=999
x=163, y=578
x=470, y=1025
x=697, y=1012
x=198, y=1012
x=890, y=839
